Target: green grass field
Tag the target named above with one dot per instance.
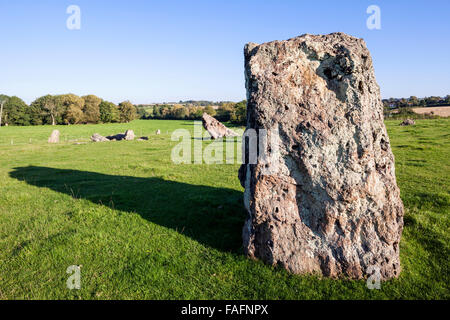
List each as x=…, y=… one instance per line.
x=142, y=227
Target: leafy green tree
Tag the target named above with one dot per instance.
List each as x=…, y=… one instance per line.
x=72, y=106
x=39, y=114
x=191, y=112
x=225, y=111
x=109, y=112
x=196, y=114
x=413, y=101
x=179, y=112
x=35, y=115
x=91, y=108
x=48, y=109
x=3, y=100
x=53, y=110
x=210, y=110
x=15, y=112
x=432, y=100
x=141, y=112
x=157, y=112
x=148, y=113
x=73, y=115
x=165, y=111
x=239, y=115
x=127, y=111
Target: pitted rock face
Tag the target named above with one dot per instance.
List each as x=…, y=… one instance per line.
x=327, y=202
x=215, y=128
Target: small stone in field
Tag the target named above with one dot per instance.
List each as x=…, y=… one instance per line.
x=98, y=138
x=158, y=131
x=408, y=122
x=54, y=137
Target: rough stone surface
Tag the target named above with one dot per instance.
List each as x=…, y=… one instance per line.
x=408, y=122
x=328, y=201
x=215, y=128
x=98, y=138
x=54, y=137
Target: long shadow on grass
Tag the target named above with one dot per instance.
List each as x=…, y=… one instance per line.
x=212, y=216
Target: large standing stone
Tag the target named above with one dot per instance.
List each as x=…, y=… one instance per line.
x=215, y=128
x=54, y=137
x=327, y=202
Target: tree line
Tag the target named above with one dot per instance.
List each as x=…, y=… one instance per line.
x=71, y=109
x=226, y=112
x=64, y=109
x=202, y=103
x=413, y=101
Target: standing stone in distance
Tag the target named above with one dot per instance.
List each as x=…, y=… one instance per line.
x=327, y=202
x=158, y=132
x=129, y=135
x=54, y=137
x=215, y=128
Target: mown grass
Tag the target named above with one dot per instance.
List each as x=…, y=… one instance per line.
x=142, y=227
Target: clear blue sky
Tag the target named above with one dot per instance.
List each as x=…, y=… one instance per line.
x=155, y=51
